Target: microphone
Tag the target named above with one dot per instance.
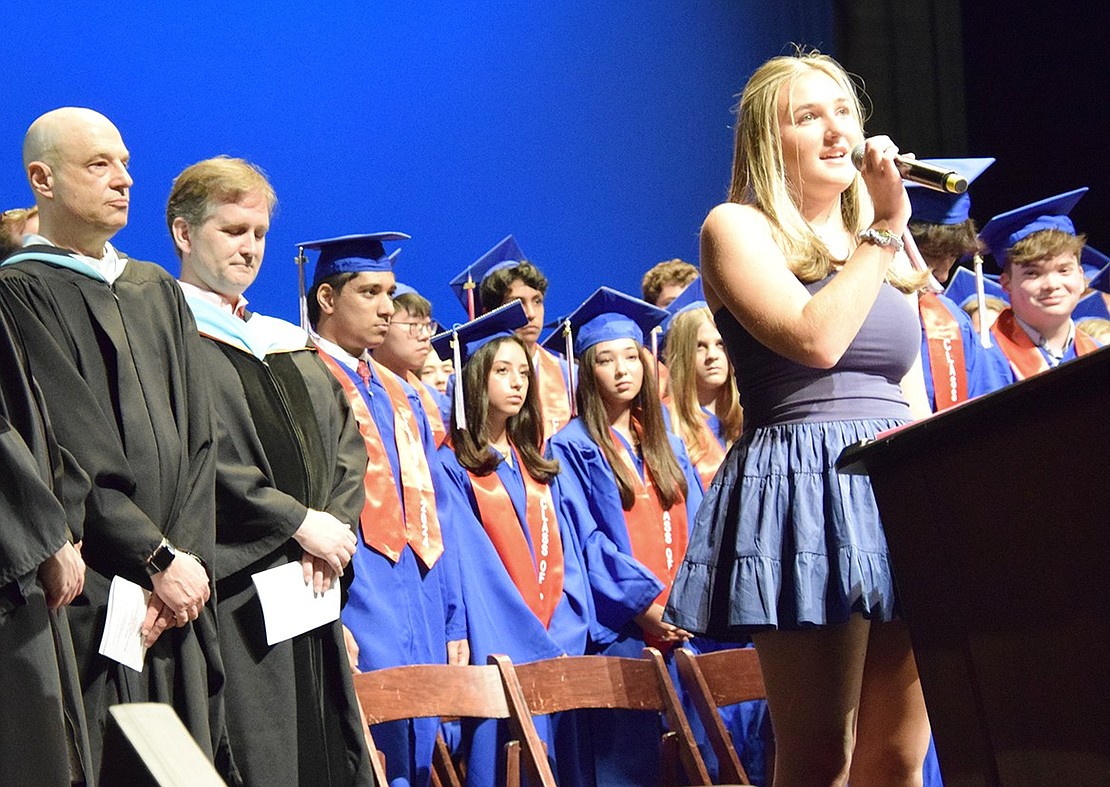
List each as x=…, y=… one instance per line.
x=928, y=175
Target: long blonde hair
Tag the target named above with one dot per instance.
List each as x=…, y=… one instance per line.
x=682, y=353
x=758, y=169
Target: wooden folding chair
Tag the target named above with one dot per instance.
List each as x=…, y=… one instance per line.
x=438, y=690
x=584, y=682
x=718, y=679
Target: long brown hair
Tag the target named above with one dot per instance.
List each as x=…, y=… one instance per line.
x=659, y=458
x=525, y=429
x=682, y=354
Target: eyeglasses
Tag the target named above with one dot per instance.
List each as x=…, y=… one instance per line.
x=418, y=330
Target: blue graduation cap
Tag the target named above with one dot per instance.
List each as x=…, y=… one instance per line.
x=400, y=288
x=1094, y=262
x=353, y=254
x=961, y=287
x=1091, y=305
x=472, y=336
x=606, y=315
x=693, y=297
x=1006, y=229
x=462, y=341
x=939, y=207
x=1101, y=280
x=506, y=254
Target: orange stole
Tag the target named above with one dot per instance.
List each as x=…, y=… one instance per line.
x=387, y=527
x=1025, y=357
x=431, y=409
x=947, y=366
x=554, y=398
x=539, y=579
x=658, y=538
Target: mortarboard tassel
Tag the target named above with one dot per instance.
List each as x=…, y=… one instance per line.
x=302, y=299
x=460, y=405
x=981, y=300
x=569, y=342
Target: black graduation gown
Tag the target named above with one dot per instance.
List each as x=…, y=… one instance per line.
x=41, y=713
x=287, y=442
x=118, y=368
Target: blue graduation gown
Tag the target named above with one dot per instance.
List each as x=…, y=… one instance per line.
x=404, y=613
x=500, y=621
x=622, y=588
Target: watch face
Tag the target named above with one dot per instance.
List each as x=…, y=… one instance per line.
x=161, y=558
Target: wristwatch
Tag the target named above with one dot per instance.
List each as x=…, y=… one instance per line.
x=882, y=238
x=160, y=558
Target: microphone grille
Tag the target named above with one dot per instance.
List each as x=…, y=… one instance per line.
x=857, y=156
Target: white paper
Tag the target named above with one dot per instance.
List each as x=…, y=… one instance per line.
x=123, y=639
x=289, y=606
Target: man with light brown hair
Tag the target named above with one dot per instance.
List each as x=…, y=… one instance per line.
x=289, y=488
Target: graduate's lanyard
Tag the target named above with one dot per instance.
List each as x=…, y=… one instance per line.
x=947, y=367
x=431, y=409
x=1026, y=359
x=658, y=537
x=554, y=398
x=387, y=527
x=539, y=578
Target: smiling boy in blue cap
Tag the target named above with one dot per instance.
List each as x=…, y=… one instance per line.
x=1039, y=252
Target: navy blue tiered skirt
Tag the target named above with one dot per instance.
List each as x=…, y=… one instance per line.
x=782, y=540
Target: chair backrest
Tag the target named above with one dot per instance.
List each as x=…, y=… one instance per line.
x=715, y=680
x=579, y=682
x=437, y=690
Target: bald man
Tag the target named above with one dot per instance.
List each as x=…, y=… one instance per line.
x=114, y=349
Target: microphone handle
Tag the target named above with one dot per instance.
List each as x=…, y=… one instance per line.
x=931, y=177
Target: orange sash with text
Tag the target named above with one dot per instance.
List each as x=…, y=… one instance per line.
x=539, y=579
x=386, y=526
x=947, y=367
x=658, y=537
x=1025, y=357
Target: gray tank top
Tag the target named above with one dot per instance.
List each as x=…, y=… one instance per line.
x=865, y=384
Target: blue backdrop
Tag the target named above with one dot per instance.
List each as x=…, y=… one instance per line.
x=598, y=133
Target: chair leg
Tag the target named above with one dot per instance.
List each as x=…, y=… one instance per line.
x=512, y=764
x=443, y=768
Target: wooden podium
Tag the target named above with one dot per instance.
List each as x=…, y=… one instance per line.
x=997, y=513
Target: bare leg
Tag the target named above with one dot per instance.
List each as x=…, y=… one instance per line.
x=813, y=680
x=892, y=734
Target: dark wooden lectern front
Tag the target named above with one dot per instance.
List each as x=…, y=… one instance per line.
x=997, y=514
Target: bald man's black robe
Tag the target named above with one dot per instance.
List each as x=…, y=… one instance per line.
x=41, y=713
x=118, y=368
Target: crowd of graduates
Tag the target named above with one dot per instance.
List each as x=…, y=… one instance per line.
x=507, y=485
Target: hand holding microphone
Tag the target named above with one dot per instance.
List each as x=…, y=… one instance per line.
x=928, y=175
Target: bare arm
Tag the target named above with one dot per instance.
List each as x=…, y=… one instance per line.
x=745, y=271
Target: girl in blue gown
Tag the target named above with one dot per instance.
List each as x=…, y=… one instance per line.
x=495, y=460
x=631, y=490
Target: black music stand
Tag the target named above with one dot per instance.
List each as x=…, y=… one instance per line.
x=997, y=514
